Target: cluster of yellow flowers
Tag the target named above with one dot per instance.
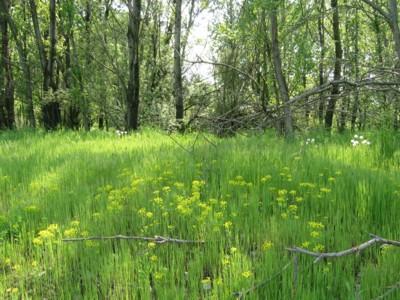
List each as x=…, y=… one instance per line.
x=288, y=201
x=73, y=230
x=185, y=205
x=47, y=235
x=266, y=178
x=239, y=181
x=315, y=233
x=267, y=245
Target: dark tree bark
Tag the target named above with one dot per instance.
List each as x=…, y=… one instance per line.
x=7, y=91
x=25, y=67
x=178, y=93
x=103, y=115
x=88, y=61
x=338, y=66
x=280, y=77
x=132, y=97
x=3, y=112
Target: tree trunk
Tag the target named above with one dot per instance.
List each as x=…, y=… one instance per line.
x=394, y=25
x=3, y=112
x=132, y=97
x=283, y=89
x=7, y=94
x=393, y=14
x=23, y=58
x=178, y=93
x=73, y=111
x=321, y=35
x=51, y=114
x=88, y=61
x=338, y=66
x=356, y=103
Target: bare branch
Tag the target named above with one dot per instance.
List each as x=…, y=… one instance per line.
x=326, y=86
x=356, y=249
x=156, y=239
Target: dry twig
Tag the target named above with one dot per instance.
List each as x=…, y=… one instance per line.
x=156, y=239
x=356, y=249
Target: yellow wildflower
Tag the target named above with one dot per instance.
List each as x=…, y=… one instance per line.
x=267, y=245
x=316, y=225
x=266, y=178
x=319, y=248
x=247, y=274
x=151, y=245
x=305, y=244
x=228, y=225
x=315, y=234
x=71, y=232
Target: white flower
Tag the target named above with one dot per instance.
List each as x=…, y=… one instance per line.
x=361, y=137
x=310, y=141
x=356, y=136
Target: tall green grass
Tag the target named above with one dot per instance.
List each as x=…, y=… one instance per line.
x=247, y=197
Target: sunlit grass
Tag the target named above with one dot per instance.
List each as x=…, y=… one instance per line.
x=248, y=198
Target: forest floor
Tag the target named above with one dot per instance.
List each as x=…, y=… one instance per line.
x=238, y=202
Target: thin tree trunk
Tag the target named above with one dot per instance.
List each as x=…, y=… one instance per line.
x=50, y=109
x=321, y=73
x=338, y=66
x=7, y=93
x=307, y=105
x=265, y=93
x=283, y=89
x=178, y=93
x=23, y=58
x=393, y=14
x=103, y=116
x=88, y=60
x=346, y=70
x=3, y=113
x=72, y=118
x=356, y=103
x=132, y=100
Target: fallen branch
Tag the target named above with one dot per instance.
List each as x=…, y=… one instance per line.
x=356, y=249
x=156, y=239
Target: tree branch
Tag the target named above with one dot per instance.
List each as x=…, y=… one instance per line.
x=156, y=239
x=326, y=86
x=356, y=249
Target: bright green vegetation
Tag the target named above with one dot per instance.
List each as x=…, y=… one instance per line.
x=248, y=198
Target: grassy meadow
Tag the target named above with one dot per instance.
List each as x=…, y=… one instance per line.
x=247, y=198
